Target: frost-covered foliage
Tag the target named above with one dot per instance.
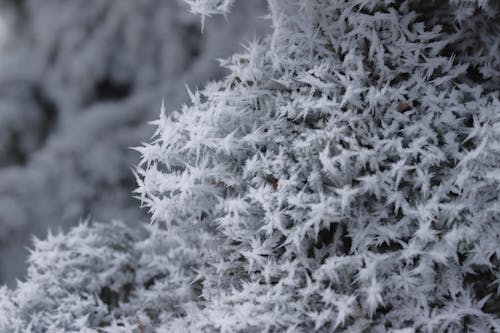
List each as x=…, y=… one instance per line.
x=102, y=278
x=207, y=8
x=79, y=80
x=344, y=177
x=347, y=170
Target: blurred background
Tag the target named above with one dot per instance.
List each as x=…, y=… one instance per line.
x=79, y=82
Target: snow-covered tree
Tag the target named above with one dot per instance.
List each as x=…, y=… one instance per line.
x=79, y=80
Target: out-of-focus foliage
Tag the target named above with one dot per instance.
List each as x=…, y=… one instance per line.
x=103, y=276
x=78, y=83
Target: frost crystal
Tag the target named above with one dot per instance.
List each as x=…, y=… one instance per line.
x=346, y=168
x=343, y=177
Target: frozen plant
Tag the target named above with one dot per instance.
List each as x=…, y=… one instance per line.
x=347, y=169
x=207, y=8
x=343, y=177
x=102, y=278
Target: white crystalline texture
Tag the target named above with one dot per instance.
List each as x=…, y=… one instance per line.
x=343, y=177
x=350, y=154
x=100, y=274
x=210, y=7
